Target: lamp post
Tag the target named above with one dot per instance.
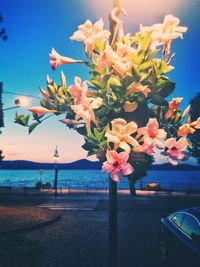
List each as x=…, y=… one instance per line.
x=1, y=106
x=56, y=159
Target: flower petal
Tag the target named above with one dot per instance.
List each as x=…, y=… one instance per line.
x=112, y=138
x=107, y=167
x=125, y=146
x=131, y=128
x=112, y=156
x=123, y=156
x=158, y=143
x=161, y=134
x=173, y=161
x=126, y=169
x=132, y=141
x=40, y=110
x=116, y=175
x=171, y=142
x=182, y=143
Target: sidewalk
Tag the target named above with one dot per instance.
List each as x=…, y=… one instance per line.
x=21, y=219
x=63, y=191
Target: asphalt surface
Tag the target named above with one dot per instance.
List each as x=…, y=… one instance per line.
x=80, y=238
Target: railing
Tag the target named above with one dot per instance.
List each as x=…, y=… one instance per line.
x=87, y=186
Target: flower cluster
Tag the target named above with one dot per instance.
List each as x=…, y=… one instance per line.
x=122, y=109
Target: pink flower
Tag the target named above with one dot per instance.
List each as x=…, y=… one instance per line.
x=152, y=133
x=196, y=124
x=146, y=148
x=121, y=60
x=185, y=129
x=163, y=34
x=78, y=90
x=117, y=165
x=85, y=110
x=175, y=149
x=189, y=127
x=105, y=58
x=89, y=33
x=40, y=110
x=121, y=133
x=173, y=106
x=139, y=88
x=56, y=59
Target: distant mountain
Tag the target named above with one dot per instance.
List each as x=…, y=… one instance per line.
x=169, y=167
x=82, y=164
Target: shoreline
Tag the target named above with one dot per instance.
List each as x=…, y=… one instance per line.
x=98, y=192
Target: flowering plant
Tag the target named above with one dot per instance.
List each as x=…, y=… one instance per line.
x=122, y=109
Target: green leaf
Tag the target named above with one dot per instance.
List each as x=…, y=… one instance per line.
x=90, y=65
x=135, y=58
x=159, y=100
x=25, y=119
x=104, y=81
x=151, y=55
x=89, y=145
x=128, y=80
x=99, y=46
x=22, y=119
x=32, y=127
x=60, y=100
x=145, y=66
x=92, y=152
x=98, y=134
x=81, y=130
x=103, y=122
x=163, y=67
x=101, y=112
x=117, y=108
x=103, y=143
x=145, y=43
x=114, y=80
x=46, y=104
x=167, y=87
x=95, y=82
x=136, y=74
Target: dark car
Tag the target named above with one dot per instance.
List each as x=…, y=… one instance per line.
x=180, y=238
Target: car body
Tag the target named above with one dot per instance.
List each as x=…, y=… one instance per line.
x=180, y=238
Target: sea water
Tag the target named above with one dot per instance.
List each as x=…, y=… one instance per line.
x=95, y=179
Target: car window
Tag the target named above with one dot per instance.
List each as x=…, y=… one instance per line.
x=190, y=225
x=177, y=219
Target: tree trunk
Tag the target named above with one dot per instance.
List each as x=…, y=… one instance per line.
x=132, y=188
x=132, y=181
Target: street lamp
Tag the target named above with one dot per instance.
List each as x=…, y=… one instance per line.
x=21, y=101
x=56, y=159
x=1, y=106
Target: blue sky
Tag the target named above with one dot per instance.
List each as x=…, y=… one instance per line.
x=34, y=27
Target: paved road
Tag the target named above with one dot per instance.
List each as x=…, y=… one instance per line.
x=79, y=239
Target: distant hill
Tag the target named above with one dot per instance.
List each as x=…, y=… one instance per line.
x=82, y=164
x=181, y=167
